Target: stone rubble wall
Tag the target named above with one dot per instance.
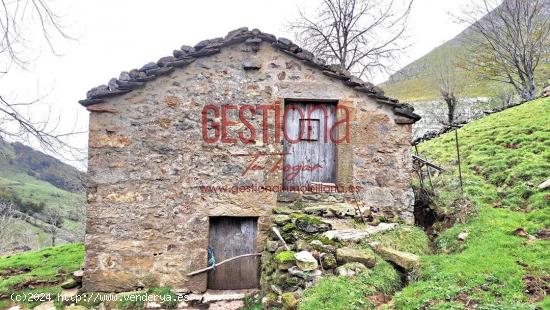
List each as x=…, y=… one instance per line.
x=148, y=220
x=434, y=113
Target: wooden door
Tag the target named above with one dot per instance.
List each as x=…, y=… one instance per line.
x=310, y=150
x=230, y=237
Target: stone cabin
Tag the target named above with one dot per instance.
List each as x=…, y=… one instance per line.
x=195, y=150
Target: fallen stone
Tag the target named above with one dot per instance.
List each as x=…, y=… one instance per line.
x=405, y=260
x=353, y=255
x=356, y=235
x=305, y=261
x=462, y=236
x=350, y=269
x=545, y=184
x=69, y=283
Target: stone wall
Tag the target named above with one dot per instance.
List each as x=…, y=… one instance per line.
x=147, y=216
x=434, y=113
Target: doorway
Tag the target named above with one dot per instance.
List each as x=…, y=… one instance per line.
x=309, y=143
x=230, y=237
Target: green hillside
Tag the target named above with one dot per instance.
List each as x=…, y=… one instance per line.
x=36, y=183
x=38, y=272
x=416, y=82
x=505, y=261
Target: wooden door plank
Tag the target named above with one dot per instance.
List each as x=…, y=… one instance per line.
x=230, y=237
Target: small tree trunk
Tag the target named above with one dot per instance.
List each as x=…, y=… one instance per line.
x=450, y=100
x=53, y=239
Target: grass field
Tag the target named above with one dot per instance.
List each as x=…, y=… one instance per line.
x=30, y=188
x=38, y=272
x=504, y=156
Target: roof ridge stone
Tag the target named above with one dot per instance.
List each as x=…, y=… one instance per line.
x=136, y=78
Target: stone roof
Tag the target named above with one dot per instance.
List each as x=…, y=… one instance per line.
x=136, y=78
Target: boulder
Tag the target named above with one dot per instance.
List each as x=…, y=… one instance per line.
x=353, y=255
x=350, y=269
x=405, y=260
x=305, y=261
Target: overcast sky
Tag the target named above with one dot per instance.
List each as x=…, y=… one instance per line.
x=117, y=35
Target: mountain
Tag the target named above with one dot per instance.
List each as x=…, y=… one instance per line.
x=38, y=185
x=415, y=82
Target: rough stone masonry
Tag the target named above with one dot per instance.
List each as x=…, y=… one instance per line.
x=148, y=220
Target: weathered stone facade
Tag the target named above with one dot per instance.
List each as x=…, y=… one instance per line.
x=148, y=219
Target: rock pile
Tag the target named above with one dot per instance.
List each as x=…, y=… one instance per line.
x=312, y=249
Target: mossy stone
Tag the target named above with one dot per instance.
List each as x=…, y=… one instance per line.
x=289, y=301
x=284, y=257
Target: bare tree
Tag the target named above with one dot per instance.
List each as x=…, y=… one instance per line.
x=448, y=80
x=510, y=42
x=20, y=20
x=7, y=217
x=55, y=220
x=361, y=36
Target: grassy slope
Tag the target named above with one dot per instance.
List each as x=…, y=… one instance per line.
x=505, y=156
x=50, y=264
x=29, y=188
x=14, y=177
